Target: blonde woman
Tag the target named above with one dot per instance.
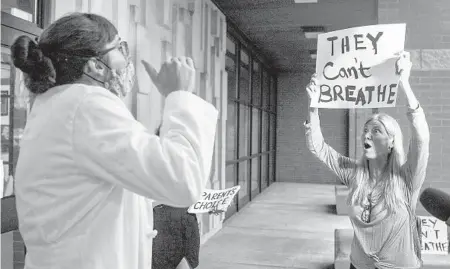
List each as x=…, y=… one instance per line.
x=384, y=184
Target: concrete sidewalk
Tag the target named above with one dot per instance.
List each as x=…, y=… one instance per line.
x=290, y=225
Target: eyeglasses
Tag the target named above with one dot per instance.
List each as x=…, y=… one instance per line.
x=122, y=47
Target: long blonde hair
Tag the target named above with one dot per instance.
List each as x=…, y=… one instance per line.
x=391, y=186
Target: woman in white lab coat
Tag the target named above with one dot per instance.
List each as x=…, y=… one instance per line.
x=86, y=166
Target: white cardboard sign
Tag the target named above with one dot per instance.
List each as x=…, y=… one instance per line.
x=434, y=236
x=356, y=67
x=214, y=200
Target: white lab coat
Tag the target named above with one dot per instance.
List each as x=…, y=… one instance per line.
x=87, y=170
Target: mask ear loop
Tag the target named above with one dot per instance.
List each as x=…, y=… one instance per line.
x=99, y=81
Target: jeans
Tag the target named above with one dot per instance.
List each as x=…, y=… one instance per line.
x=178, y=237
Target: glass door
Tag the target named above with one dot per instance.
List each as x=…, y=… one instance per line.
x=15, y=107
x=15, y=21
x=6, y=130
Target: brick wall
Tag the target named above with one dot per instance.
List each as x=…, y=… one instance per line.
x=428, y=39
x=295, y=163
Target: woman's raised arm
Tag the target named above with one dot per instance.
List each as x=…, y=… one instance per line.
x=419, y=144
x=342, y=166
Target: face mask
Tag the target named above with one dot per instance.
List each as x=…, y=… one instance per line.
x=121, y=81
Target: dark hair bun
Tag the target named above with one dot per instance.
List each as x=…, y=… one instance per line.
x=27, y=56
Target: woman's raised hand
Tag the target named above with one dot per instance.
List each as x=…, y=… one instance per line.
x=312, y=88
x=403, y=67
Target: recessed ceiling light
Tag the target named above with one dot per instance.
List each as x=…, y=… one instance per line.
x=305, y=1
x=312, y=31
x=312, y=35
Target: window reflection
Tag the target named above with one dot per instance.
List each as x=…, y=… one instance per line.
x=243, y=181
x=255, y=130
x=273, y=95
x=23, y=9
x=244, y=130
x=5, y=141
x=264, y=171
x=231, y=131
x=256, y=84
x=230, y=181
x=273, y=132
x=244, y=78
x=255, y=175
x=265, y=132
x=272, y=167
x=15, y=108
x=250, y=125
x=265, y=89
x=230, y=67
x=5, y=128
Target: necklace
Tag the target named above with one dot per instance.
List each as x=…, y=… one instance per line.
x=365, y=215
